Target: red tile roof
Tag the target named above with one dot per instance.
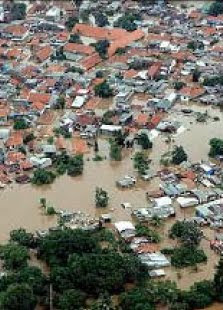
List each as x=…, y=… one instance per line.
x=44, y=53
x=79, y=48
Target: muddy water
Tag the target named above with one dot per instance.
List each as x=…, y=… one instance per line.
x=19, y=204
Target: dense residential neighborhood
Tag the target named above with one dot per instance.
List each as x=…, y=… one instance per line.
x=111, y=152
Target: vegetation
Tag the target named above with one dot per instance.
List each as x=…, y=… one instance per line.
x=75, y=165
x=101, y=198
x=127, y=22
x=18, y=11
x=60, y=103
x=143, y=231
x=101, y=19
x=115, y=150
x=72, y=299
x=140, y=161
x=20, y=124
x=178, y=85
x=178, y=155
x=187, y=256
x=216, y=147
x=216, y=8
x=218, y=280
x=144, y=141
x=213, y=81
x=14, y=256
x=23, y=238
x=101, y=47
x=43, y=176
x=71, y=22
x=103, y=90
x=28, y=138
x=187, y=232
x=75, y=38
x=194, y=45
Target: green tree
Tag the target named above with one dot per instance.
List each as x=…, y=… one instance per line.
x=101, y=47
x=28, y=138
x=34, y=277
x=187, y=256
x=127, y=22
x=144, y=231
x=18, y=10
x=218, y=280
x=144, y=141
x=60, y=103
x=75, y=38
x=216, y=8
x=178, y=155
x=18, y=297
x=22, y=237
x=101, y=19
x=140, y=160
x=216, y=147
x=188, y=233
x=42, y=176
x=20, y=124
x=72, y=299
x=115, y=151
x=14, y=256
x=71, y=22
x=101, y=198
x=103, y=90
x=137, y=298
x=75, y=165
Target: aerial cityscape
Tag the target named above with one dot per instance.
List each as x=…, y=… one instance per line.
x=111, y=155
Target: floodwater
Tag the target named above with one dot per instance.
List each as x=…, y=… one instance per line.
x=19, y=204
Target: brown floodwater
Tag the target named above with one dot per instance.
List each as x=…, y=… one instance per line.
x=19, y=204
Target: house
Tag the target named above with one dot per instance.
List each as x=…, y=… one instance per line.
x=191, y=92
x=14, y=141
x=44, y=53
x=4, y=112
x=75, y=51
x=53, y=14
x=154, y=70
x=16, y=32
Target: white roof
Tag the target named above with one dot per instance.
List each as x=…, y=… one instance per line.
x=163, y=201
x=111, y=128
x=78, y=102
x=124, y=225
x=187, y=201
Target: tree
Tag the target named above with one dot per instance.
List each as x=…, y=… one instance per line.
x=75, y=38
x=216, y=147
x=72, y=299
x=22, y=237
x=115, y=151
x=18, y=11
x=102, y=48
x=140, y=160
x=178, y=85
x=34, y=277
x=96, y=147
x=104, y=302
x=127, y=22
x=218, y=280
x=71, y=22
x=187, y=256
x=103, y=90
x=29, y=137
x=15, y=256
x=216, y=8
x=60, y=103
x=75, y=165
x=187, y=232
x=196, y=75
x=101, y=198
x=144, y=141
x=137, y=298
x=178, y=155
x=20, y=124
x=42, y=176
x=101, y=19
x=143, y=231
x=18, y=297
